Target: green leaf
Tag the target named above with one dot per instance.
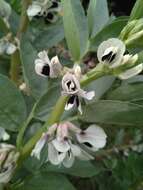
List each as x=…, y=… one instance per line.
x=12, y=105
x=137, y=11
x=130, y=92
x=37, y=84
x=46, y=181
x=113, y=112
x=49, y=37
x=96, y=19
x=110, y=31
x=76, y=28
x=47, y=102
x=101, y=85
x=82, y=169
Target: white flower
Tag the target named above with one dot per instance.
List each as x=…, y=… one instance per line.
x=93, y=137
x=62, y=143
x=111, y=52
x=46, y=67
x=7, y=47
x=133, y=71
x=3, y=134
x=71, y=87
x=44, y=8
x=8, y=159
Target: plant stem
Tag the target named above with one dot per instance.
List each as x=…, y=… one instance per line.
x=15, y=58
x=15, y=69
x=53, y=118
x=24, y=21
x=24, y=127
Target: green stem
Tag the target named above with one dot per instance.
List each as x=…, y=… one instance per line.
x=15, y=58
x=24, y=21
x=24, y=127
x=15, y=69
x=53, y=118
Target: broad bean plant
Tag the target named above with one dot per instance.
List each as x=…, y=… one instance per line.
x=71, y=96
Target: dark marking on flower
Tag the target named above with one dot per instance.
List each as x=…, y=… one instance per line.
x=46, y=70
x=71, y=99
x=65, y=138
x=69, y=153
x=50, y=16
x=69, y=85
x=77, y=101
x=54, y=4
x=109, y=57
x=88, y=144
x=59, y=153
x=82, y=132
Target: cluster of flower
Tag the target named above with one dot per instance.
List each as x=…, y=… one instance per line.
x=110, y=53
x=46, y=9
x=66, y=141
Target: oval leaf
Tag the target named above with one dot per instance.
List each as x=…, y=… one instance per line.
x=12, y=105
x=75, y=26
x=113, y=112
x=96, y=20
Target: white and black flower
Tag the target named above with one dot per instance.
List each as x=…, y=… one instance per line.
x=46, y=67
x=8, y=160
x=112, y=53
x=46, y=9
x=64, y=142
x=71, y=87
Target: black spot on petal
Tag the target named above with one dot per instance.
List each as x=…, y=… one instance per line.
x=50, y=16
x=109, y=57
x=59, y=153
x=88, y=144
x=46, y=70
x=77, y=101
x=54, y=5
x=71, y=99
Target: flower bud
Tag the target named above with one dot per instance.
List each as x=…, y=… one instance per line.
x=8, y=160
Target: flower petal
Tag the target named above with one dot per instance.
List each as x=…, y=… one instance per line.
x=54, y=156
x=11, y=48
x=69, y=160
x=56, y=67
x=61, y=146
x=42, y=69
x=3, y=134
x=93, y=137
x=70, y=84
x=113, y=47
x=87, y=95
x=33, y=10
x=131, y=72
x=38, y=147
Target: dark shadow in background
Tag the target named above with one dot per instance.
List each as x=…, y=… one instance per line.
x=117, y=7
